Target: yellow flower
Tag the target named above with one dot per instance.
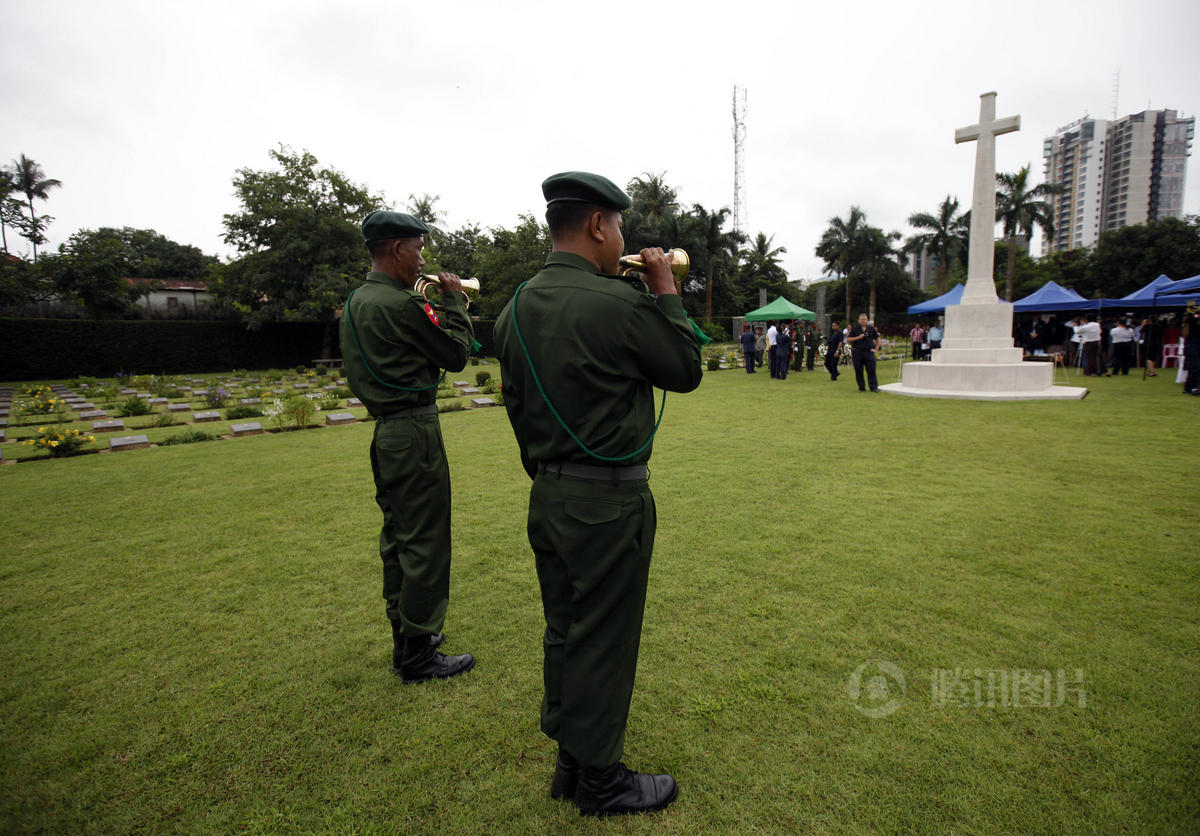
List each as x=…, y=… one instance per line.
x=41, y=429
x=53, y=443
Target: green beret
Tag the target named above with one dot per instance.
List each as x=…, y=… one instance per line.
x=581, y=187
x=382, y=225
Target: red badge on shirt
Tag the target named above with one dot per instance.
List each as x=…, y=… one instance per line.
x=429, y=312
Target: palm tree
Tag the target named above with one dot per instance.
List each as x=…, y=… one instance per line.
x=761, y=267
x=942, y=233
x=876, y=252
x=652, y=197
x=1020, y=208
x=7, y=187
x=424, y=209
x=718, y=248
x=29, y=178
x=840, y=245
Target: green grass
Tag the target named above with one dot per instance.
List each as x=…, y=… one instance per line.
x=194, y=639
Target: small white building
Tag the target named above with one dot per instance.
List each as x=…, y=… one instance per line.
x=171, y=298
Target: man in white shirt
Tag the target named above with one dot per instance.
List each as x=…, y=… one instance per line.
x=1088, y=334
x=772, y=335
x=1122, y=338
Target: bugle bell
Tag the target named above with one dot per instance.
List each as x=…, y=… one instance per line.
x=427, y=282
x=678, y=259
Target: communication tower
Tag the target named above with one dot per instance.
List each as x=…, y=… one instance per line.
x=739, y=163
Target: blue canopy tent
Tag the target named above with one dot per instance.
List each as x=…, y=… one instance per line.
x=1191, y=285
x=953, y=296
x=1143, y=296
x=1054, y=297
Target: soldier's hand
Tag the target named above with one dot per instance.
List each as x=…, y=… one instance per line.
x=659, y=278
x=449, y=283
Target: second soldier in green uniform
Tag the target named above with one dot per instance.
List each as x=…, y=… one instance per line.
x=580, y=351
x=394, y=343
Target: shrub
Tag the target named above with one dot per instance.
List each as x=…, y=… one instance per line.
x=713, y=364
x=162, y=420
x=39, y=400
x=474, y=361
x=482, y=377
x=328, y=400
x=322, y=371
x=58, y=441
x=188, y=437
x=216, y=397
x=165, y=387
x=133, y=405
x=342, y=392
x=296, y=411
x=274, y=374
x=715, y=331
x=235, y=412
x=451, y=406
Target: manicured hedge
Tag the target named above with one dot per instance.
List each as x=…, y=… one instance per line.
x=62, y=348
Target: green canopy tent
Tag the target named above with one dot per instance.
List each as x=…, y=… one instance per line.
x=780, y=309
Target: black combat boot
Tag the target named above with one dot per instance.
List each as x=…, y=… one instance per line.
x=421, y=662
x=566, y=776
x=398, y=644
x=616, y=789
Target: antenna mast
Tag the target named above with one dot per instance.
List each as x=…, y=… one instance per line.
x=739, y=164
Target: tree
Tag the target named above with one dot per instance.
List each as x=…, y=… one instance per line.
x=943, y=233
x=7, y=204
x=1019, y=209
x=299, y=241
x=877, y=256
x=29, y=179
x=91, y=270
x=424, y=209
x=715, y=253
x=512, y=256
x=654, y=218
x=761, y=269
x=1129, y=257
x=840, y=246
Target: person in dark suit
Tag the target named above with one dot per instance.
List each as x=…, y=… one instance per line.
x=864, y=342
x=833, y=349
x=748, y=342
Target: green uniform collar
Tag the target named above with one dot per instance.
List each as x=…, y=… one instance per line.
x=566, y=259
x=384, y=278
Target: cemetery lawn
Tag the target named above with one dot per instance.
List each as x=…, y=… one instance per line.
x=194, y=640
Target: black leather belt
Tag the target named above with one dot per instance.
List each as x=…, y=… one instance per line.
x=407, y=413
x=638, y=472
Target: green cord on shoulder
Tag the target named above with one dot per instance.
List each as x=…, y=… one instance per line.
x=537, y=381
x=381, y=381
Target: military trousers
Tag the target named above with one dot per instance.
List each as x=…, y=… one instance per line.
x=412, y=488
x=592, y=543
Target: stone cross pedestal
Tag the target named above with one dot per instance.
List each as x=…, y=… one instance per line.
x=977, y=359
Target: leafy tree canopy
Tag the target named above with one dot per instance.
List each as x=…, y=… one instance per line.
x=299, y=239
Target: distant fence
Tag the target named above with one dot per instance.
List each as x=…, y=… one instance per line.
x=65, y=348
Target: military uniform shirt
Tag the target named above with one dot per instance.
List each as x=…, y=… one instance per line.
x=404, y=346
x=598, y=345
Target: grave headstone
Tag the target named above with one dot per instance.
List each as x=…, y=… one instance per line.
x=249, y=400
x=3, y=422
x=334, y=418
x=3, y=437
x=128, y=391
x=353, y=402
x=468, y=390
x=201, y=417
x=179, y=407
x=299, y=385
x=250, y=428
x=461, y=383
x=107, y=426
x=128, y=442
x=92, y=413
x=480, y=403
x=80, y=407
x=158, y=400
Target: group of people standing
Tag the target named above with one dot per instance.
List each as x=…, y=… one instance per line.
x=784, y=345
x=797, y=345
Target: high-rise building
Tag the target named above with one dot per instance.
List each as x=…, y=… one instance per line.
x=1115, y=173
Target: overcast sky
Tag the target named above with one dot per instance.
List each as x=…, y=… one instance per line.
x=145, y=110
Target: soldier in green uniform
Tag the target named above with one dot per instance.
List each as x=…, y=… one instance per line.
x=394, y=343
x=580, y=351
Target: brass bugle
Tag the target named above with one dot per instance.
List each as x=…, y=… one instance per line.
x=426, y=282
x=678, y=258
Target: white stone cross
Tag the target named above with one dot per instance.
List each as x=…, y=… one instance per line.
x=980, y=257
